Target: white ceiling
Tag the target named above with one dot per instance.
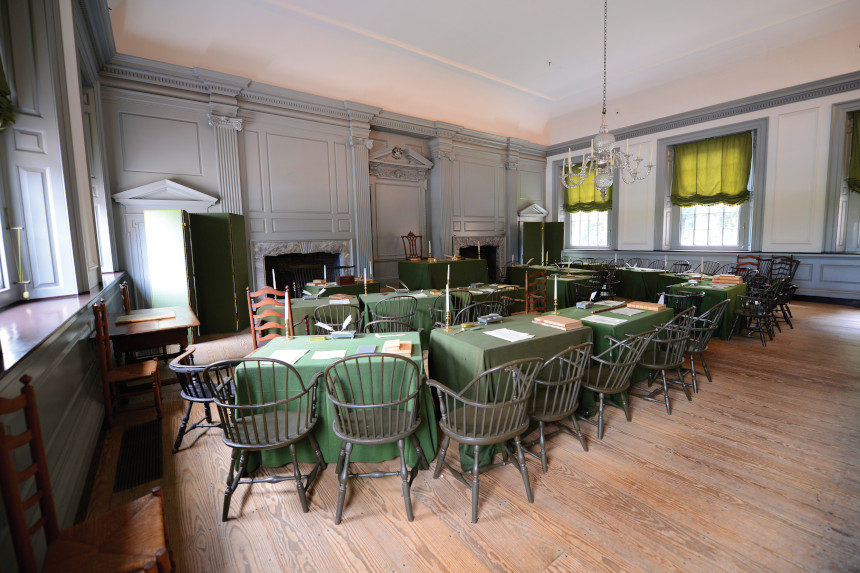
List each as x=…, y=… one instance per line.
x=485, y=64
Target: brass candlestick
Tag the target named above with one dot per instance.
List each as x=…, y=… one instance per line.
x=555, y=306
x=448, y=321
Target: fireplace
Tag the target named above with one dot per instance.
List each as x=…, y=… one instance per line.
x=492, y=249
x=311, y=255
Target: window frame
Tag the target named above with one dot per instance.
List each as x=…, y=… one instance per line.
x=562, y=215
x=667, y=219
x=837, y=170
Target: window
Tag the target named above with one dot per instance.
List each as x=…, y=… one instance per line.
x=588, y=229
x=711, y=181
x=843, y=184
x=587, y=217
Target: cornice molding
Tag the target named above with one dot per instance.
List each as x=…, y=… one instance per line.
x=776, y=98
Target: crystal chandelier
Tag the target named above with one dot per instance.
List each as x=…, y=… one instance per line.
x=605, y=158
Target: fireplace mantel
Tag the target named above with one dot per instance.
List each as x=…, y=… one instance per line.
x=489, y=241
x=263, y=249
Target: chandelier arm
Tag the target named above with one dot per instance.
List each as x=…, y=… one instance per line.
x=605, y=11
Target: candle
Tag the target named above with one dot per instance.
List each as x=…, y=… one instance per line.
x=325, y=276
x=447, y=298
x=479, y=246
x=561, y=255
x=371, y=270
x=430, y=249
x=449, y=274
x=616, y=258
x=546, y=258
x=365, y=274
x=274, y=286
x=665, y=262
x=702, y=266
x=555, y=294
x=512, y=260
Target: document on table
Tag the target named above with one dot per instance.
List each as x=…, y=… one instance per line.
x=488, y=290
x=603, y=319
x=328, y=354
x=608, y=303
x=627, y=311
x=419, y=294
x=476, y=291
x=718, y=287
x=289, y=355
x=510, y=335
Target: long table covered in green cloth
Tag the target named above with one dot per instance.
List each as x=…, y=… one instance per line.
x=356, y=289
x=423, y=318
x=638, y=284
x=302, y=306
x=328, y=441
x=714, y=295
x=457, y=357
x=417, y=275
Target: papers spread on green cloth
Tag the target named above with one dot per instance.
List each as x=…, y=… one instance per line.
x=328, y=354
x=627, y=311
x=418, y=294
x=510, y=335
x=289, y=355
x=603, y=319
x=145, y=316
x=608, y=303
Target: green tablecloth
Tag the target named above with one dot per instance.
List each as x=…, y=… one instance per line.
x=457, y=357
x=664, y=281
x=328, y=441
x=423, y=275
x=637, y=284
x=516, y=275
x=357, y=288
x=714, y=296
x=301, y=307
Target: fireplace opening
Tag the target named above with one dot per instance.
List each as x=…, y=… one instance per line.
x=488, y=253
x=295, y=270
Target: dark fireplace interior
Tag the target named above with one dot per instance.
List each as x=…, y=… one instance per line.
x=295, y=270
x=488, y=253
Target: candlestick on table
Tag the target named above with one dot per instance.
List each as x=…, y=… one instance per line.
x=430, y=249
x=665, y=263
x=448, y=307
x=702, y=266
x=365, y=280
x=274, y=286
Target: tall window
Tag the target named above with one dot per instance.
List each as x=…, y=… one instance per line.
x=585, y=214
x=710, y=192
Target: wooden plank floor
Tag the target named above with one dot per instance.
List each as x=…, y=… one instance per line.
x=759, y=472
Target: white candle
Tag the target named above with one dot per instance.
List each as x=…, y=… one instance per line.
x=365, y=274
x=274, y=286
x=561, y=255
x=371, y=270
x=702, y=266
x=447, y=298
x=555, y=294
x=512, y=260
x=665, y=262
x=430, y=249
x=449, y=275
x=616, y=258
x=325, y=276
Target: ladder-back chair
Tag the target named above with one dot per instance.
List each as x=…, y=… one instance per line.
x=271, y=315
x=127, y=538
x=413, y=246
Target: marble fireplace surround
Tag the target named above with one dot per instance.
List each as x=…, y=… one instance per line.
x=263, y=249
x=489, y=241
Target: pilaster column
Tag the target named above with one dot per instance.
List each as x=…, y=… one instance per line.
x=361, y=188
x=441, y=185
x=512, y=196
x=227, y=147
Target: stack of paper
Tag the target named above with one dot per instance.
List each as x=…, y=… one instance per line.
x=328, y=354
x=397, y=346
x=289, y=355
x=510, y=335
x=627, y=311
x=340, y=296
x=728, y=279
x=559, y=322
x=604, y=319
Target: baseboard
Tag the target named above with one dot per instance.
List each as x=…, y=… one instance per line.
x=828, y=300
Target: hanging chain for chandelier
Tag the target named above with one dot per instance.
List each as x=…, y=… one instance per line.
x=605, y=158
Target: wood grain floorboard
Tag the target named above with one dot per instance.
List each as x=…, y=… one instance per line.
x=758, y=473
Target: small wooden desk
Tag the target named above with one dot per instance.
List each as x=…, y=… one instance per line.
x=152, y=333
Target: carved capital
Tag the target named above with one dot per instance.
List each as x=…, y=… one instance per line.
x=512, y=165
x=224, y=121
x=442, y=154
x=365, y=141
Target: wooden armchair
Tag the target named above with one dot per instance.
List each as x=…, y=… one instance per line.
x=139, y=355
x=129, y=538
x=270, y=317
x=535, y=291
x=413, y=245
x=118, y=381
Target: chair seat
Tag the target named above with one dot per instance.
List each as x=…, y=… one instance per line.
x=287, y=429
x=124, y=539
x=542, y=406
x=658, y=361
x=132, y=371
x=468, y=430
x=381, y=428
x=592, y=383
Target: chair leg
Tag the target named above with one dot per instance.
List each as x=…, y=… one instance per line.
x=208, y=412
x=317, y=451
x=693, y=373
x=475, y=472
x=625, y=406
x=108, y=403
x=705, y=366
x=761, y=332
x=666, y=393
x=231, y=487
x=600, y=419
x=422, y=459
x=297, y=475
x=404, y=475
x=441, y=460
x=342, y=478
x=340, y=457
x=156, y=388
x=579, y=433
x=684, y=386
x=521, y=460
x=542, y=448
x=785, y=315
x=734, y=326
x=182, y=428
